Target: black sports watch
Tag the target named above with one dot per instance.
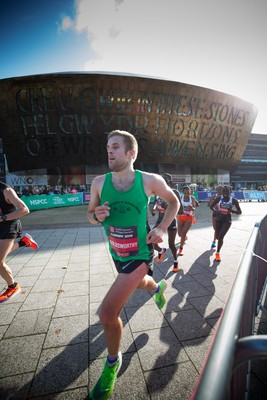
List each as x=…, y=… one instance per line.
x=95, y=218
x=3, y=217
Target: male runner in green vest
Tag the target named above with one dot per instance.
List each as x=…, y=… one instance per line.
x=119, y=200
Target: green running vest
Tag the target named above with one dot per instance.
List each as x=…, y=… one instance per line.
x=126, y=227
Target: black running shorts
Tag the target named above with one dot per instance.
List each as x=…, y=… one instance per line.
x=126, y=267
x=10, y=229
x=171, y=227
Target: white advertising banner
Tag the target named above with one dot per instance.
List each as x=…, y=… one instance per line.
x=26, y=180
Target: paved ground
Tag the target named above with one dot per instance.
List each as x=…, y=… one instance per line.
x=51, y=342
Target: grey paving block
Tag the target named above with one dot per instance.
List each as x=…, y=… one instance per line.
x=74, y=289
x=180, y=276
x=97, y=342
x=57, y=272
x=60, y=369
x=93, y=313
x=66, y=330
x=188, y=324
x=197, y=350
x=3, y=329
x=27, y=350
x=145, y=318
x=29, y=323
x=103, y=279
x=67, y=306
x=175, y=302
x=74, y=276
x=15, y=268
x=206, y=278
x=44, y=285
x=79, y=258
x=75, y=394
x=55, y=264
x=97, y=293
x=191, y=289
x=207, y=306
x=162, y=348
x=30, y=271
x=39, y=300
x=42, y=255
x=172, y=382
x=15, y=387
x=72, y=267
x=61, y=255
x=37, y=260
x=26, y=281
x=221, y=291
x=100, y=267
x=8, y=311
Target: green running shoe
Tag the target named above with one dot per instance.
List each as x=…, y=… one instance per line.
x=105, y=385
x=159, y=297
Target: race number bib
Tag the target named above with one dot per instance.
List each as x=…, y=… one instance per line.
x=123, y=241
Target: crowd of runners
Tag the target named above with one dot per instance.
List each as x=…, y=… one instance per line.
x=222, y=205
x=120, y=201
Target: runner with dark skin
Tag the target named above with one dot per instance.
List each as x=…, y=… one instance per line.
x=160, y=206
x=224, y=206
x=185, y=220
x=213, y=197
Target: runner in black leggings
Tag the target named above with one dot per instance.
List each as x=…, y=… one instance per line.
x=223, y=205
x=160, y=205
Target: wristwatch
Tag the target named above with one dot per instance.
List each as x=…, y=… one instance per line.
x=3, y=217
x=95, y=218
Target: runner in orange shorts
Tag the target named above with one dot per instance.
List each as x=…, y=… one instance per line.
x=185, y=220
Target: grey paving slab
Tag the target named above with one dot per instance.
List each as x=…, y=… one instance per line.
x=64, y=330
x=197, y=349
x=73, y=289
x=74, y=276
x=56, y=263
x=44, y=285
x=67, y=306
x=102, y=279
x=175, y=381
x=100, y=266
x=208, y=307
x=27, y=350
x=9, y=312
x=60, y=369
x=188, y=324
x=145, y=318
x=29, y=323
x=97, y=293
x=3, y=329
x=26, y=282
x=54, y=327
x=15, y=387
x=159, y=348
x=39, y=300
x=74, y=394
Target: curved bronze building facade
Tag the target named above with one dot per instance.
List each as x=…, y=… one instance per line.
x=61, y=120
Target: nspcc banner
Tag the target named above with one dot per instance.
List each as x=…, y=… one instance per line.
x=43, y=201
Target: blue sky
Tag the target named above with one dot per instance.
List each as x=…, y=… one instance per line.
x=211, y=43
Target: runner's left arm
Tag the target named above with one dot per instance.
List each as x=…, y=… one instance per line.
x=237, y=206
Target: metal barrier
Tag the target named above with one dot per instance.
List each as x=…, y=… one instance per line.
x=225, y=374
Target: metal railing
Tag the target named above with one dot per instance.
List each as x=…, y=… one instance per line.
x=225, y=374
